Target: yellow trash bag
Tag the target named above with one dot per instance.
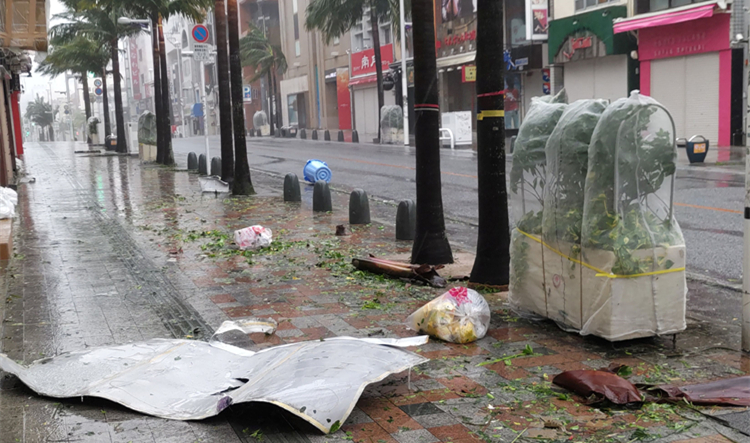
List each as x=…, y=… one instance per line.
x=460, y=315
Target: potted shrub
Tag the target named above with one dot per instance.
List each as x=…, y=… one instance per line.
x=567, y=164
x=629, y=234
x=527, y=178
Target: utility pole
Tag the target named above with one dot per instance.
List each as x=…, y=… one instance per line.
x=404, y=85
x=746, y=264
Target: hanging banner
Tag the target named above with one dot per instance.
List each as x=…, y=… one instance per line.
x=343, y=99
x=469, y=74
x=537, y=20
x=135, y=72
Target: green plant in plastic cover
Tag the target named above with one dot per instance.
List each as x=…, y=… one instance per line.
x=628, y=207
x=567, y=164
x=147, y=128
x=528, y=173
x=93, y=121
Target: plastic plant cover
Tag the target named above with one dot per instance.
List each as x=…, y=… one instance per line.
x=567, y=163
x=634, y=281
x=527, y=177
x=147, y=128
x=319, y=381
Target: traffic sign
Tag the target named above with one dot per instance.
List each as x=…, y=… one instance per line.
x=247, y=94
x=201, y=52
x=98, y=82
x=200, y=33
x=98, y=91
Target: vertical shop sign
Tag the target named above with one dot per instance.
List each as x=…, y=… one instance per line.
x=537, y=23
x=343, y=99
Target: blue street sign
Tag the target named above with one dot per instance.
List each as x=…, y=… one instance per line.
x=98, y=91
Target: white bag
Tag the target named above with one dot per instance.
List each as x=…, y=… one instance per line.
x=9, y=194
x=460, y=315
x=253, y=237
x=7, y=208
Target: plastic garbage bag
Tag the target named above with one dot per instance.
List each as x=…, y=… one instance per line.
x=253, y=237
x=460, y=315
x=7, y=208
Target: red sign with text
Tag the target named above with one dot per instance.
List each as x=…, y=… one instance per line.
x=363, y=62
x=135, y=72
x=693, y=37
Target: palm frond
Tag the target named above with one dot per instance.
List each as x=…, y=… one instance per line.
x=333, y=18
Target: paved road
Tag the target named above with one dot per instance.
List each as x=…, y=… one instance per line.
x=708, y=200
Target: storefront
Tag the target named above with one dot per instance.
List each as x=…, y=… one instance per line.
x=294, y=101
x=596, y=62
x=364, y=89
x=686, y=64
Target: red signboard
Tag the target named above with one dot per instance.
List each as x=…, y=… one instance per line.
x=580, y=43
x=135, y=73
x=693, y=37
x=457, y=39
x=363, y=62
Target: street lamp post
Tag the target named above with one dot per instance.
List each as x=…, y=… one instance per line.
x=404, y=86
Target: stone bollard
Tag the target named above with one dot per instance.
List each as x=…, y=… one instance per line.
x=322, y=197
x=192, y=161
x=216, y=166
x=355, y=136
x=359, y=208
x=341, y=135
x=314, y=134
x=327, y=136
x=291, y=188
x=251, y=133
x=406, y=220
x=202, y=165
x=302, y=134
x=278, y=132
x=258, y=133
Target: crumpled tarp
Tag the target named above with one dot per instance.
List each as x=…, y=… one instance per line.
x=597, y=386
x=319, y=381
x=727, y=392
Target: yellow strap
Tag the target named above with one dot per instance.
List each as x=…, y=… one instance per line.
x=599, y=272
x=487, y=114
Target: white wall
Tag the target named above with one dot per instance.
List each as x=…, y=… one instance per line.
x=601, y=77
x=566, y=8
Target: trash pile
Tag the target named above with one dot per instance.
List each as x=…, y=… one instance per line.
x=253, y=237
x=596, y=247
x=460, y=315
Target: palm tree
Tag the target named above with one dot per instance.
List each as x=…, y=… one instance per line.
x=492, y=263
x=225, y=98
x=334, y=18
x=97, y=20
x=267, y=60
x=80, y=56
x=242, y=185
x=430, y=243
x=42, y=113
x=157, y=11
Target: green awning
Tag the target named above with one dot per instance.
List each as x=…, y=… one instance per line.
x=599, y=23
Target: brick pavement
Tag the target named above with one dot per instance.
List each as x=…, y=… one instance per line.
x=109, y=251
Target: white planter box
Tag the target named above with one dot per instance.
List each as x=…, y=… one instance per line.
x=527, y=286
x=563, y=281
x=626, y=308
x=147, y=153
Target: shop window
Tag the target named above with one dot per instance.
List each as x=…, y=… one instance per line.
x=583, y=4
x=293, y=110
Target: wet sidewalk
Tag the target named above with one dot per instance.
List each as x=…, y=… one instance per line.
x=110, y=251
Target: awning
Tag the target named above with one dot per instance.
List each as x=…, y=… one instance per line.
x=453, y=60
x=363, y=80
x=597, y=22
x=670, y=17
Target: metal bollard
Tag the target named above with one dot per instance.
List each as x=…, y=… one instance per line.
x=359, y=208
x=406, y=220
x=291, y=188
x=322, y=197
x=192, y=162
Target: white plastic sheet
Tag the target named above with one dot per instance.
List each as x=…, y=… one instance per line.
x=319, y=381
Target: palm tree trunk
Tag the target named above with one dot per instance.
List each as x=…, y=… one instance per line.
x=242, y=185
x=375, y=25
x=430, y=243
x=122, y=146
x=86, y=103
x=105, y=102
x=168, y=158
x=271, y=96
x=492, y=263
x=225, y=99
x=51, y=133
x=160, y=120
x=276, y=100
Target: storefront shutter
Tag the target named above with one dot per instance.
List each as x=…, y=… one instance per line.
x=601, y=77
x=689, y=88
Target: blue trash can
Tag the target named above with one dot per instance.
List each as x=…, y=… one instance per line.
x=316, y=170
x=697, y=148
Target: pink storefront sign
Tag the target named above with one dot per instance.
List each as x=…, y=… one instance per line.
x=694, y=37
